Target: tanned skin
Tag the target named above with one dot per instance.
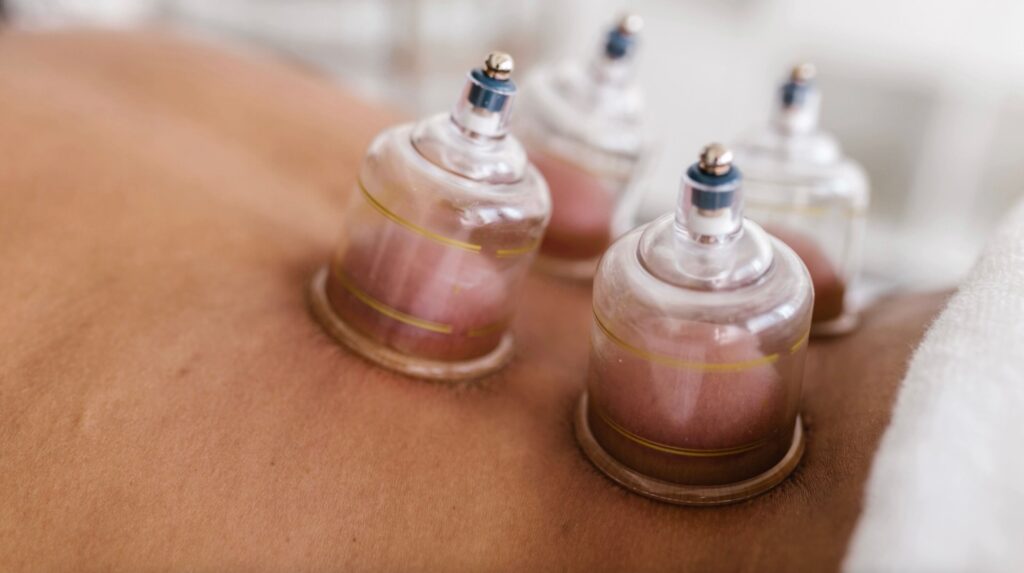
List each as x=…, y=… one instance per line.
x=167, y=402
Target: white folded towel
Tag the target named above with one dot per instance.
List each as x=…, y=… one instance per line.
x=946, y=492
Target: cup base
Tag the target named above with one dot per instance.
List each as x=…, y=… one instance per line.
x=581, y=270
x=839, y=326
x=413, y=366
x=682, y=494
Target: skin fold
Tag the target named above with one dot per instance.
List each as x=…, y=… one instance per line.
x=167, y=402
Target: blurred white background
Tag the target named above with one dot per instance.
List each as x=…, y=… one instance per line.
x=929, y=96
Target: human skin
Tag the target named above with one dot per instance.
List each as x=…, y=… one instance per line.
x=829, y=289
x=581, y=210
x=167, y=402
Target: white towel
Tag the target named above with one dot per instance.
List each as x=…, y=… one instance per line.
x=946, y=492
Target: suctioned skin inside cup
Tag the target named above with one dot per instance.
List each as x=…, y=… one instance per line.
x=690, y=402
x=425, y=301
x=582, y=209
x=829, y=287
x=412, y=288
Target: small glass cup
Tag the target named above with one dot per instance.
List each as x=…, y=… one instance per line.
x=802, y=189
x=697, y=350
x=582, y=126
x=437, y=239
